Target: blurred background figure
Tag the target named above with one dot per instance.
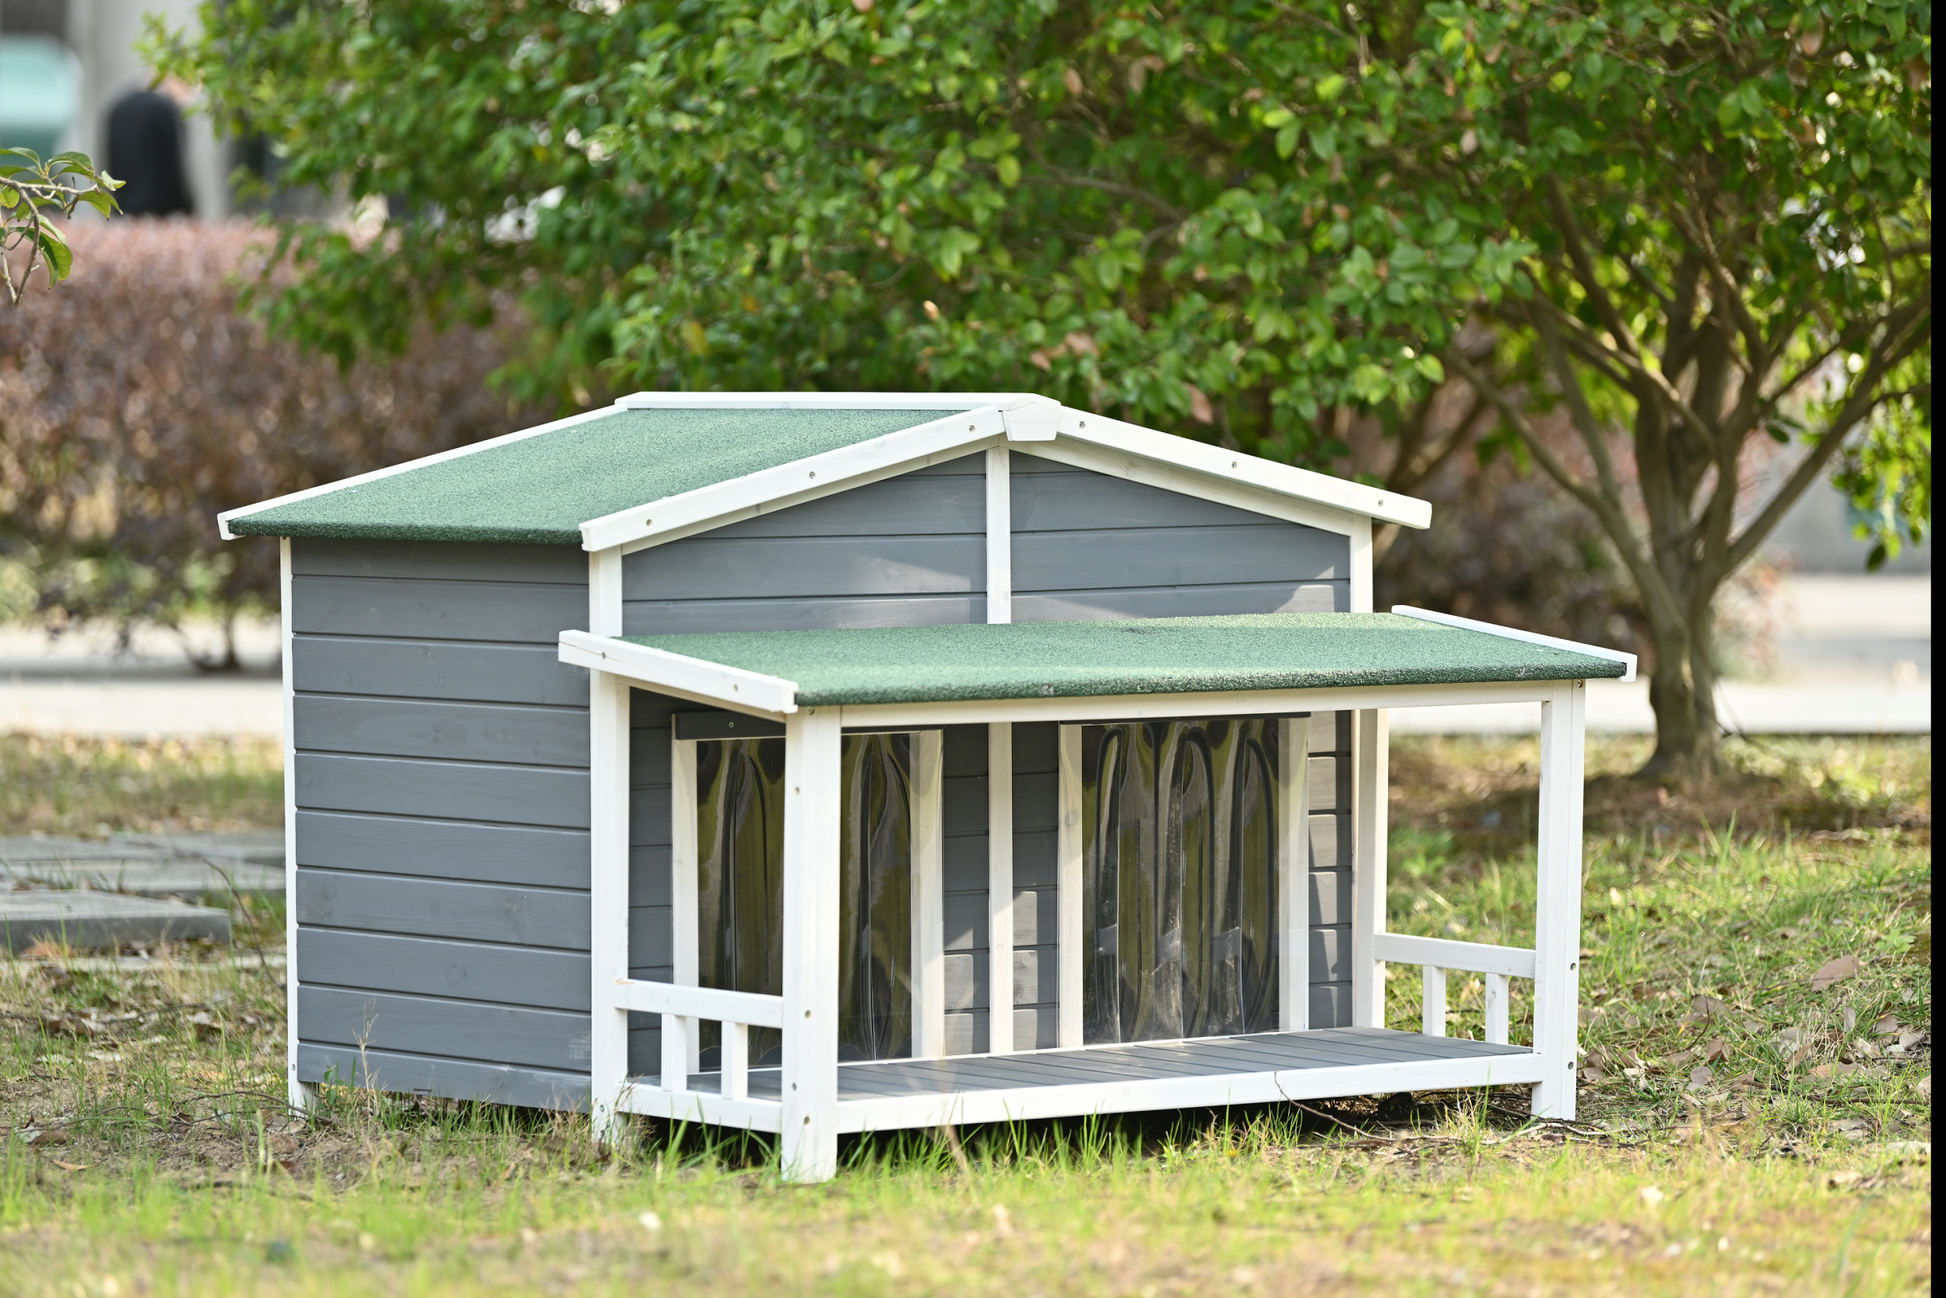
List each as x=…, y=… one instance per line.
x=145, y=150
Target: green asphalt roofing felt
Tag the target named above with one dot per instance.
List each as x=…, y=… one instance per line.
x=1269, y=651
x=539, y=490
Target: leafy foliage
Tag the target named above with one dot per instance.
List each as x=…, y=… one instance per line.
x=1691, y=225
x=32, y=192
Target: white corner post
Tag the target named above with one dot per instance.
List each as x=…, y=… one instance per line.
x=1361, y=564
x=1370, y=760
x=1557, y=918
x=1000, y=767
x=928, y=898
x=1294, y=875
x=608, y=703
x=682, y=1040
x=1000, y=887
x=809, y=1140
x=1071, y=961
x=302, y=1095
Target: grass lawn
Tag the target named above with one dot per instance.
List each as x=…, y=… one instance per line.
x=1746, y=1127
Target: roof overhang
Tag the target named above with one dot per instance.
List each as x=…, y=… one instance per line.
x=1102, y=669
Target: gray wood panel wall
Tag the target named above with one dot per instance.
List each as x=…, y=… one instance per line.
x=908, y=551
x=1087, y=545
x=442, y=812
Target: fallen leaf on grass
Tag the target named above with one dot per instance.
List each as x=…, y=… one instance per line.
x=53, y=1136
x=1706, y=1007
x=70, y=1167
x=1839, y=1068
x=1700, y=1079
x=1835, y=971
x=1715, y=1049
x=1887, y=1025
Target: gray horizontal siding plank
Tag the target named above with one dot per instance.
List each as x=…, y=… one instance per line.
x=705, y=567
x=1331, y=732
x=1037, y=803
x=649, y=942
x=910, y=505
x=436, y=669
x=1329, y=783
x=445, y=850
x=1330, y=1005
x=432, y=967
x=965, y=916
x=1330, y=896
x=965, y=806
x=964, y=862
x=1260, y=551
x=963, y=751
x=1080, y=500
x=1330, y=955
x=442, y=908
x=452, y=1079
x=471, y=732
x=497, y=1034
x=520, y=613
x=648, y=818
x=648, y=876
x=1036, y=1029
x=1331, y=841
x=1035, y=912
x=690, y=617
x=520, y=795
x=1037, y=748
x=565, y=565
x=1035, y=854
x=1182, y=601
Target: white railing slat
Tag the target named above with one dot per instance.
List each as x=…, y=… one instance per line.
x=1472, y=957
x=1432, y=1013
x=712, y=1003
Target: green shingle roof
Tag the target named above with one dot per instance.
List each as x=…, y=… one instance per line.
x=1148, y=656
x=539, y=490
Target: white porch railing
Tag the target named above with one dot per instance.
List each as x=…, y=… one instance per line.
x=1435, y=956
x=683, y=1010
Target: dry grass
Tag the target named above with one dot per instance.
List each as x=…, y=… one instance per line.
x=1795, y=1162
x=91, y=788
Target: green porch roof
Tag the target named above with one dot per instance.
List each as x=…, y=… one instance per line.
x=1271, y=651
x=540, y=489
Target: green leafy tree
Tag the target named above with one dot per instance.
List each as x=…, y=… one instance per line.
x=32, y=194
x=1687, y=227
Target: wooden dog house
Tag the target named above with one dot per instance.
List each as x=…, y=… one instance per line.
x=814, y=763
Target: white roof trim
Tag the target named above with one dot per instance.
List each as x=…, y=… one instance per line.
x=786, y=483
x=223, y=519
x=692, y=678
x=830, y=400
x=1530, y=637
x=1235, y=466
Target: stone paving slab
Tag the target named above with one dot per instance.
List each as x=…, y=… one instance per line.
x=96, y=920
x=186, y=865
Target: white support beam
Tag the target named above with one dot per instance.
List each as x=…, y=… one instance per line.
x=1071, y=957
x=608, y=770
x=1473, y=957
x=1000, y=887
x=1361, y=565
x=1432, y=1010
x=1368, y=798
x=302, y=1095
x=1294, y=874
x=1557, y=917
x=754, y=1009
x=1000, y=534
x=696, y=679
x=928, y=900
x=685, y=865
x=1496, y=1008
x=809, y=1143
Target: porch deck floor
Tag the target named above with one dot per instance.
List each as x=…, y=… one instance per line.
x=1139, y=1061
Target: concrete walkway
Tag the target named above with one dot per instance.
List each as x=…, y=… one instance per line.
x=1854, y=655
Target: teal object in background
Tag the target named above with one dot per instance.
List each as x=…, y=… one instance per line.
x=40, y=93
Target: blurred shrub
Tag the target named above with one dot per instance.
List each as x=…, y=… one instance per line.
x=135, y=403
